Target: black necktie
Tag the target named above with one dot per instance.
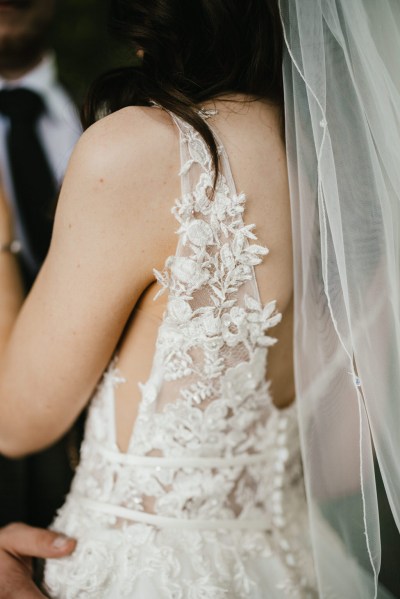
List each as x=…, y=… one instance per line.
x=33, y=181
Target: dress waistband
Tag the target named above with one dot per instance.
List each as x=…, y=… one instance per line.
x=182, y=462
x=253, y=524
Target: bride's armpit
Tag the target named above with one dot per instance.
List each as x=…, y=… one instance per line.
x=135, y=355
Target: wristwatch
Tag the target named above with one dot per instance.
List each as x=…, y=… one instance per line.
x=13, y=247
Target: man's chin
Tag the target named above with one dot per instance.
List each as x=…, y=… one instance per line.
x=18, y=53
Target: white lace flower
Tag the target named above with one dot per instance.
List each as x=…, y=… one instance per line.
x=198, y=151
x=241, y=380
x=213, y=345
x=179, y=310
x=234, y=326
x=184, y=207
x=203, y=193
x=222, y=203
x=215, y=415
x=171, y=504
x=188, y=271
x=199, y=232
x=149, y=395
x=210, y=324
x=89, y=568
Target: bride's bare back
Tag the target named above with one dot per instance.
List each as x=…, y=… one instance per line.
x=251, y=135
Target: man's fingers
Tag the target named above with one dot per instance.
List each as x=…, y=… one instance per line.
x=31, y=593
x=11, y=589
x=16, y=581
x=22, y=540
x=18, y=543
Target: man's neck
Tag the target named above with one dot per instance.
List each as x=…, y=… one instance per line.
x=14, y=72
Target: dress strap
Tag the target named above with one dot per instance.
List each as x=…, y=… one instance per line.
x=203, y=112
x=195, y=141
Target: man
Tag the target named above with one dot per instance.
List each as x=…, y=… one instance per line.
x=18, y=544
x=38, y=129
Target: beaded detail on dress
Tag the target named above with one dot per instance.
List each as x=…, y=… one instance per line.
x=211, y=461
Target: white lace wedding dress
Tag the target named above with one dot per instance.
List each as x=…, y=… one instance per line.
x=209, y=501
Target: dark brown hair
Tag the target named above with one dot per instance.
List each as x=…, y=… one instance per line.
x=194, y=51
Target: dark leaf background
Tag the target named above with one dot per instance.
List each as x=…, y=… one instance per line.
x=83, y=46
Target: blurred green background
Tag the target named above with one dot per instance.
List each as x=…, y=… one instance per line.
x=83, y=46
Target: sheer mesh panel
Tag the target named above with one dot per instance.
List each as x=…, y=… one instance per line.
x=207, y=394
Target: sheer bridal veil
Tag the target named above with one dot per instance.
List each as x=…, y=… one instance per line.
x=342, y=108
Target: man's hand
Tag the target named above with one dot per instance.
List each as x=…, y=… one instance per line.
x=19, y=543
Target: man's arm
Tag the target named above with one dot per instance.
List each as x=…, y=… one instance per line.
x=19, y=543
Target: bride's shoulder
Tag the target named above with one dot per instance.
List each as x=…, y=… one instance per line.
x=132, y=133
x=133, y=151
x=123, y=176
x=133, y=121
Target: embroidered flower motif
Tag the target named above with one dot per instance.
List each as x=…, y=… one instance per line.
x=90, y=570
x=184, y=207
x=203, y=202
x=188, y=271
x=234, y=326
x=210, y=323
x=244, y=378
x=197, y=231
x=179, y=310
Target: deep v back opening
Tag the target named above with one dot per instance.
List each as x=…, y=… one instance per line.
x=187, y=136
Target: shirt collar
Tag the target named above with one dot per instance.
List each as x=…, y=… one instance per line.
x=41, y=79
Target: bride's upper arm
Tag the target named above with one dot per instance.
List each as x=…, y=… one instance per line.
x=112, y=226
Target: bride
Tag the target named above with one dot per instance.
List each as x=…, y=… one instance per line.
x=166, y=304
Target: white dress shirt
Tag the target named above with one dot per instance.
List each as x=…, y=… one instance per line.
x=58, y=128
